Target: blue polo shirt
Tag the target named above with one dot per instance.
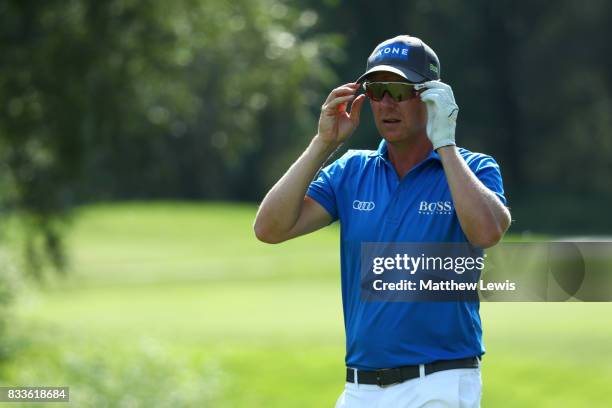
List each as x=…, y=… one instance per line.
x=363, y=191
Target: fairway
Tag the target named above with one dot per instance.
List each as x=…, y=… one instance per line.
x=175, y=304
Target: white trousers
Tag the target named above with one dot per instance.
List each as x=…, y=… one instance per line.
x=458, y=388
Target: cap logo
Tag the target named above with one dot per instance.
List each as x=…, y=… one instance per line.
x=433, y=68
x=392, y=51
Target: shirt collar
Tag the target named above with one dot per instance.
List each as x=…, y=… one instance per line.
x=383, y=153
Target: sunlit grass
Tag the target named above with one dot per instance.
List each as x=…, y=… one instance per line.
x=178, y=305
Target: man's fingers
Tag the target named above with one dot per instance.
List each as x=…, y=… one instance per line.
x=431, y=96
x=426, y=85
x=436, y=86
x=432, y=85
x=356, y=109
x=346, y=89
x=441, y=100
x=330, y=107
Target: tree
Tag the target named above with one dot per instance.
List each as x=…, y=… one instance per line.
x=139, y=99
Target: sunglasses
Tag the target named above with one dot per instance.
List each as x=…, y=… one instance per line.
x=399, y=91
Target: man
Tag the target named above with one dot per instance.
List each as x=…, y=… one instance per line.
x=399, y=354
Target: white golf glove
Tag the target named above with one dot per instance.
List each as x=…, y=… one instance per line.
x=442, y=113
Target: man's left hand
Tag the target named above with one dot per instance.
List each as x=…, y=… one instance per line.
x=442, y=111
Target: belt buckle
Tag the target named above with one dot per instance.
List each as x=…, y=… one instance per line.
x=381, y=372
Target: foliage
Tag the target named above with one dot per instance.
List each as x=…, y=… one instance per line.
x=208, y=99
x=123, y=99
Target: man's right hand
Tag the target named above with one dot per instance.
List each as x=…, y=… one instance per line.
x=286, y=212
x=335, y=123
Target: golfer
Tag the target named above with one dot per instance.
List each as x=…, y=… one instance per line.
x=418, y=186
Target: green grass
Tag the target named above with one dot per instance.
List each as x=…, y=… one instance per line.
x=178, y=305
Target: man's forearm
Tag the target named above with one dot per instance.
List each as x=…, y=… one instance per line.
x=483, y=217
x=280, y=209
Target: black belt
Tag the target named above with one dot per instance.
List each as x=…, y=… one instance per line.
x=388, y=376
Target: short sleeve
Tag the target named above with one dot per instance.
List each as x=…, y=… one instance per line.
x=323, y=187
x=488, y=172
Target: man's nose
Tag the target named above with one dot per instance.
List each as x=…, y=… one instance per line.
x=387, y=99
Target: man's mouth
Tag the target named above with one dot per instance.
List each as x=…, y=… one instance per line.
x=391, y=120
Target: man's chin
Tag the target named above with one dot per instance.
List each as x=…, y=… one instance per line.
x=398, y=138
x=394, y=136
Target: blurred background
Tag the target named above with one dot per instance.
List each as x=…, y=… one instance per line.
x=136, y=138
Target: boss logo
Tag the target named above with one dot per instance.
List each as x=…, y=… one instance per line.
x=435, y=207
x=363, y=205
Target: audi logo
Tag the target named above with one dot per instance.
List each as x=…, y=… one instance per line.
x=363, y=205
